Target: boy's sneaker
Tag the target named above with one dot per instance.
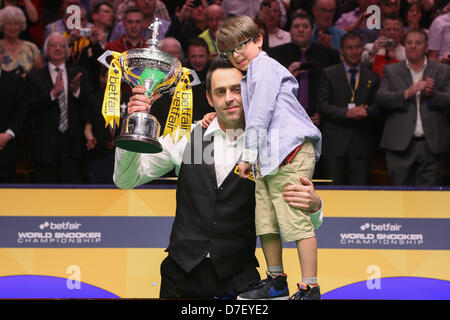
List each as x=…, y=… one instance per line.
x=306, y=292
x=272, y=288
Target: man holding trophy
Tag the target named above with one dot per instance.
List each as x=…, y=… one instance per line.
x=212, y=244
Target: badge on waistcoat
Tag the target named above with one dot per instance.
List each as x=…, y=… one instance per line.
x=252, y=177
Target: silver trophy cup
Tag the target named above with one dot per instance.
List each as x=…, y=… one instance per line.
x=158, y=72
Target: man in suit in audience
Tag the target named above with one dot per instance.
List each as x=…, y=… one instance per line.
x=347, y=106
x=416, y=96
x=305, y=60
x=13, y=93
x=56, y=107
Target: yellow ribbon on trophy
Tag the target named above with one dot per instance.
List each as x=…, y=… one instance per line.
x=180, y=113
x=111, y=100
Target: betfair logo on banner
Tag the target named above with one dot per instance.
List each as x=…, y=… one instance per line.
x=381, y=227
x=381, y=234
x=58, y=233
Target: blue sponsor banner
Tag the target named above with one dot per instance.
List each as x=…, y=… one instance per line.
x=384, y=233
x=84, y=232
x=154, y=232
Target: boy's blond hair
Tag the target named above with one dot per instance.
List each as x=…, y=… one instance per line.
x=235, y=30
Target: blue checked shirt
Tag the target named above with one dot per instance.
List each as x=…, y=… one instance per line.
x=275, y=121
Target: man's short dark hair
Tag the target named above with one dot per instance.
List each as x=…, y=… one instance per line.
x=198, y=42
x=265, y=2
x=133, y=9
x=391, y=17
x=349, y=36
x=316, y=1
x=218, y=63
x=97, y=5
x=418, y=30
x=303, y=16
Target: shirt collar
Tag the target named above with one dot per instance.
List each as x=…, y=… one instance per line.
x=347, y=68
x=262, y=53
x=425, y=63
x=215, y=129
x=53, y=67
x=128, y=44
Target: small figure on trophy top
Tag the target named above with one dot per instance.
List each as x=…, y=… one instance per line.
x=154, y=27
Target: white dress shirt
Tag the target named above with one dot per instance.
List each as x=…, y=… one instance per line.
x=417, y=76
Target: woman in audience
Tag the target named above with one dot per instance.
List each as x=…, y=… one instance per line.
x=414, y=17
x=20, y=55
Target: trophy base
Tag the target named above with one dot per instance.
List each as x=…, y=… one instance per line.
x=139, y=132
x=137, y=143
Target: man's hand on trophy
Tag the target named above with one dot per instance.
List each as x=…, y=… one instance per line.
x=139, y=102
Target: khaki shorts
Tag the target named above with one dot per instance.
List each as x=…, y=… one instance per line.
x=273, y=215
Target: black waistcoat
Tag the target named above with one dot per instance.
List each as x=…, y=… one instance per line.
x=219, y=220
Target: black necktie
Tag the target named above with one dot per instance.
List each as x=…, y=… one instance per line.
x=353, y=78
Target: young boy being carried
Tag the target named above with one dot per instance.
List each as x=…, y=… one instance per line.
x=281, y=139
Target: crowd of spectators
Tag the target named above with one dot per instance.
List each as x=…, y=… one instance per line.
x=380, y=96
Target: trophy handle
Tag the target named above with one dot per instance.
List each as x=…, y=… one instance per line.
x=196, y=80
x=102, y=58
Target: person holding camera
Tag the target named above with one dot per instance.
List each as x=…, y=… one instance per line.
x=387, y=48
x=189, y=22
x=215, y=16
x=325, y=33
x=270, y=15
